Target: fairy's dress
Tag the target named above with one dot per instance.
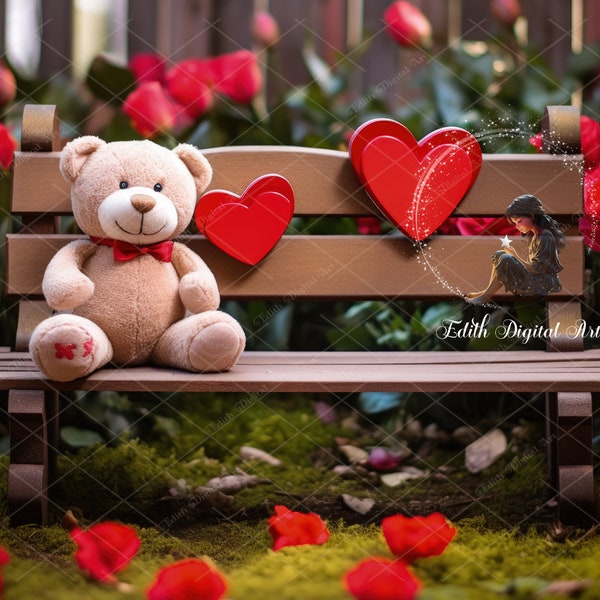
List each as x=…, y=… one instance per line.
x=543, y=256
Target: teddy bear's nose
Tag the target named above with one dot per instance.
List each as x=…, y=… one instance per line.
x=142, y=203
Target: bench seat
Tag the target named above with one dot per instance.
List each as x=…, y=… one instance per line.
x=296, y=371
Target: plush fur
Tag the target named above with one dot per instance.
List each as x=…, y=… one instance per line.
x=132, y=312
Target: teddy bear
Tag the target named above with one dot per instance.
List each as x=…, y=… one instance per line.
x=129, y=294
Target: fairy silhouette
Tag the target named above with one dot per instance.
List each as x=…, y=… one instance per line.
x=537, y=273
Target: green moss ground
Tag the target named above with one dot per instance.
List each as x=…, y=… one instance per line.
x=480, y=563
x=506, y=544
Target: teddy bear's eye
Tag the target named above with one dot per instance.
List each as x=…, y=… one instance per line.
x=123, y=185
x=157, y=187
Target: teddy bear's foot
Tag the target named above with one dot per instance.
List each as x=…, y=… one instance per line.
x=65, y=347
x=208, y=342
x=216, y=347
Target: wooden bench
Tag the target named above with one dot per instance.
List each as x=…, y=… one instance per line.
x=324, y=267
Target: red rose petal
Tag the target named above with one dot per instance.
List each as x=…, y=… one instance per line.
x=104, y=549
x=381, y=579
x=289, y=528
x=410, y=538
x=190, y=579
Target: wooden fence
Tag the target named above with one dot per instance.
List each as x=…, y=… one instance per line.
x=183, y=28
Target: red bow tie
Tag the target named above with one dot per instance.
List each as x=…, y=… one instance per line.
x=124, y=251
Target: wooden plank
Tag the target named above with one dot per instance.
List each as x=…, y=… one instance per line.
x=287, y=69
x=142, y=37
x=29, y=457
x=37, y=185
x=41, y=128
x=321, y=267
x=31, y=313
x=577, y=496
x=549, y=23
x=308, y=374
x=56, y=32
x=185, y=28
x=504, y=359
x=564, y=316
x=325, y=184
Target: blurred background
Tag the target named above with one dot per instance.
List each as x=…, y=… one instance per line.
x=508, y=57
x=43, y=39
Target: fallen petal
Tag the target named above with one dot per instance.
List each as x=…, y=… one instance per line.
x=354, y=454
x=360, y=505
x=483, y=452
x=395, y=479
x=230, y=484
x=250, y=453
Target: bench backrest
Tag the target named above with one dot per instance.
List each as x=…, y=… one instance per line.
x=325, y=266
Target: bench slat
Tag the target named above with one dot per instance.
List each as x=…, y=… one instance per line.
x=324, y=182
x=351, y=372
x=320, y=267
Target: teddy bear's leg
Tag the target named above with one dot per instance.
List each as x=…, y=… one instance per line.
x=208, y=342
x=65, y=347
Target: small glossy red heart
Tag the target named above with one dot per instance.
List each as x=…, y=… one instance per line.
x=417, y=185
x=247, y=227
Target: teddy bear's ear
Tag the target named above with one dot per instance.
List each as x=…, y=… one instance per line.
x=197, y=165
x=76, y=152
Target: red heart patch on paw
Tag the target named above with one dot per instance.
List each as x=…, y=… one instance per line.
x=248, y=226
x=416, y=185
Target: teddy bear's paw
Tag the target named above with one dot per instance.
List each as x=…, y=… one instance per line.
x=66, y=347
x=217, y=347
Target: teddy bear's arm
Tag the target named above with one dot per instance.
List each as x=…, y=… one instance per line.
x=198, y=288
x=64, y=285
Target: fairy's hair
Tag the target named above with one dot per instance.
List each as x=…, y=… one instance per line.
x=528, y=205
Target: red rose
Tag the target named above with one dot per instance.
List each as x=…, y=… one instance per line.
x=590, y=141
x=105, y=549
x=536, y=141
x=265, y=29
x=151, y=111
x=589, y=227
x=189, y=83
x=477, y=226
x=381, y=579
x=8, y=85
x=591, y=192
x=4, y=559
x=410, y=538
x=190, y=579
x=236, y=75
x=289, y=528
x=407, y=25
x=8, y=145
x=368, y=225
x=589, y=224
x=506, y=11
x=148, y=67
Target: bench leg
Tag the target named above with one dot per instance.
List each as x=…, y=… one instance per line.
x=570, y=456
x=33, y=422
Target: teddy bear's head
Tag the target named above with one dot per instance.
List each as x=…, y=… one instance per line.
x=135, y=191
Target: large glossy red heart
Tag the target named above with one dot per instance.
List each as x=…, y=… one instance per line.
x=247, y=226
x=417, y=185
